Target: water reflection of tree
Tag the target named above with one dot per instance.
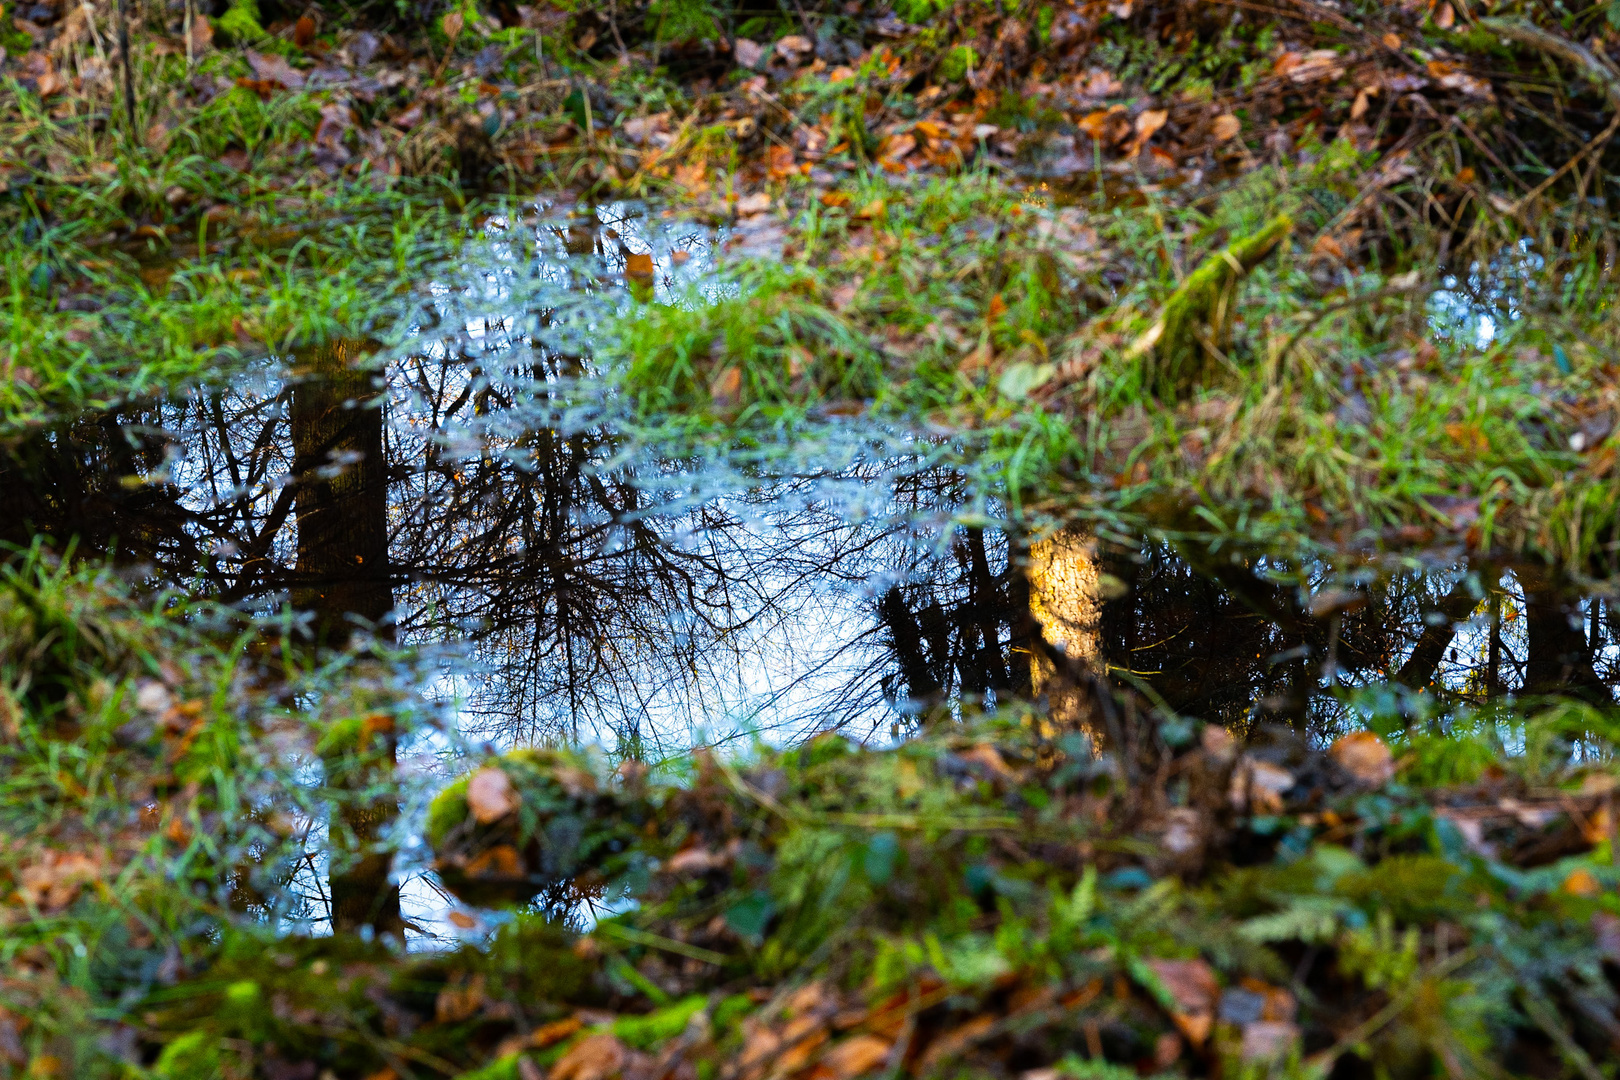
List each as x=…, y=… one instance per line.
x=597, y=596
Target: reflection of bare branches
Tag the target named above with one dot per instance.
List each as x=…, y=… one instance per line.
x=601, y=589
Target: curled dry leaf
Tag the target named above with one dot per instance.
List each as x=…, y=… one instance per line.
x=757, y=203
x=595, y=1058
x=54, y=881
x=272, y=69
x=749, y=53
x=1225, y=127
x=1147, y=124
x=896, y=147
x=1364, y=756
x=490, y=795
x=1318, y=65
x=854, y=1057
x=794, y=48
x=452, y=24
x=1193, y=985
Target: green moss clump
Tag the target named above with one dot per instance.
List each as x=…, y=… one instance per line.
x=192, y=1056
x=240, y=24
x=447, y=810
x=1200, y=307
x=654, y=1028
x=958, y=63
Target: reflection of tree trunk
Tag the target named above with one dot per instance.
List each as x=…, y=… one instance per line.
x=342, y=508
x=907, y=637
x=1558, y=658
x=1065, y=602
x=1419, y=669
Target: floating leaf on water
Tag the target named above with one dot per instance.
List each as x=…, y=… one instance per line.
x=490, y=795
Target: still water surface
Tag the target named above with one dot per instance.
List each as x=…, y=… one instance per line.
x=578, y=576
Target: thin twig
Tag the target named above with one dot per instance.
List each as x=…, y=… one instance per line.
x=1541, y=188
x=1334, y=308
x=1596, y=71
x=1370, y=1027
x=119, y=7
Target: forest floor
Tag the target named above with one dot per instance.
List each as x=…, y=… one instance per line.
x=1313, y=279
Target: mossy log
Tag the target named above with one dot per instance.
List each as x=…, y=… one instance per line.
x=1176, y=355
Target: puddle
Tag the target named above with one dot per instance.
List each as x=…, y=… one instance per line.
x=580, y=584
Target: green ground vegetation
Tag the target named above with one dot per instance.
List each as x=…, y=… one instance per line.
x=1333, y=279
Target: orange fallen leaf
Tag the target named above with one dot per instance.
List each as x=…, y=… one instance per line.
x=1581, y=882
x=554, y=1032
x=1327, y=247
x=638, y=266
x=780, y=162
x=1225, y=127
x=1095, y=123
x=835, y=198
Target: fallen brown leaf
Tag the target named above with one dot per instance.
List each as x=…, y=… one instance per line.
x=854, y=1057
x=490, y=795
x=597, y=1057
x=638, y=267
x=1193, y=985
